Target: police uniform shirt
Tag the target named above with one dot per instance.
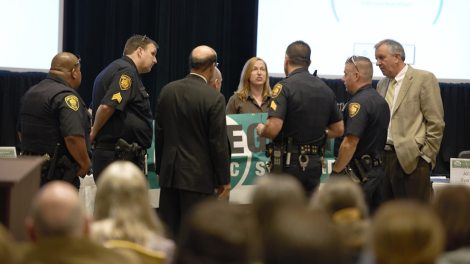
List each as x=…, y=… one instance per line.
x=305, y=104
x=366, y=116
x=51, y=111
x=120, y=87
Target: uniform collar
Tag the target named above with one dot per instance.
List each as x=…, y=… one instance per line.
x=57, y=79
x=365, y=87
x=298, y=70
x=131, y=62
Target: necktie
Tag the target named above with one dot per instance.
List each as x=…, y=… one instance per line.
x=391, y=93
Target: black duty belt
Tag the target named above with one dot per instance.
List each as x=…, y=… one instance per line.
x=306, y=149
x=105, y=145
x=389, y=148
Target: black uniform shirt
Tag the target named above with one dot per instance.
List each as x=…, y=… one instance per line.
x=305, y=104
x=120, y=87
x=367, y=116
x=50, y=111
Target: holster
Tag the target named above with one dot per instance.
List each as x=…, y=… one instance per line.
x=275, y=152
x=131, y=152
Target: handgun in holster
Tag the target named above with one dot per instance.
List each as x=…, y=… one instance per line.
x=359, y=170
x=67, y=168
x=51, y=164
x=126, y=151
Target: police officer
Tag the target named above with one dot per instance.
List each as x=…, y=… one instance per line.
x=303, y=108
x=54, y=122
x=366, y=118
x=122, y=119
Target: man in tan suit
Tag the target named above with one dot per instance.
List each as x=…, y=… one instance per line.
x=416, y=125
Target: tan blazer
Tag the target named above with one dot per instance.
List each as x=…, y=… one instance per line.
x=417, y=121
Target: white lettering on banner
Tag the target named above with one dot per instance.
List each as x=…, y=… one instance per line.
x=234, y=171
x=260, y=168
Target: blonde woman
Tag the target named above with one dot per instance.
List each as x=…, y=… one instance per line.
x=123, y=210
x=253, y=92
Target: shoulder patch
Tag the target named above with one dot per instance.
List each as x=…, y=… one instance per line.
x=72, y=102
x=273, y=105
x=276, y=90
x=117, y=97
x=125, y=82
x=353, y=109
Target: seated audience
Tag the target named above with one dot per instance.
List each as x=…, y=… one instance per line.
x=58, y=227
x=8, y=252
x=217, y=232
x=274, y=191
x=451, y=204
x=406, y=232
x=296, y=235
x=254, y=93
x=123, y=210
x=344, y=202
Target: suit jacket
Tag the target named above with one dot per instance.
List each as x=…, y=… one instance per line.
x=417, y=121
x=191, y=150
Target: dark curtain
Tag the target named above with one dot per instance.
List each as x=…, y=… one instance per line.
x=97, y=31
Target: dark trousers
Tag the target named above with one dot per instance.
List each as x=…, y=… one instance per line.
x=310, y=178
x=372, y=188
x=103, y=157
x=175, y=204
x=398, y=184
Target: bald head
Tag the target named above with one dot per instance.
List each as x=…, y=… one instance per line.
x=56, y=211
x=67, y=66
x=202, y=60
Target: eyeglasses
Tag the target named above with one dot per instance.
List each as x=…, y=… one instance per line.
x=351, y=59
x=144, y=38
x=78, y=61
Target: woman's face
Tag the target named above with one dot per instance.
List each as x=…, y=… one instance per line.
x=258, y=74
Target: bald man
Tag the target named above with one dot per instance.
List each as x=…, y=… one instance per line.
x=216, y=80
x=54, y=122
x=58, y=228
x=192, y=155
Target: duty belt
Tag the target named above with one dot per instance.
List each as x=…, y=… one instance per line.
x=389, y=148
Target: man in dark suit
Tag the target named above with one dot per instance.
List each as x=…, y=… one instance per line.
x=192, y=155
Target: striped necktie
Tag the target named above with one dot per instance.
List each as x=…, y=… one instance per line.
x=391, y=93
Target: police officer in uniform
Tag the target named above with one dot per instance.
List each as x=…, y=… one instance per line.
x=122, y=119
x=54, y=122
x=366, y=119
x=302, y=113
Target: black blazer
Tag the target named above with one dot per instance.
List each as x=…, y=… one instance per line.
x=191, y=151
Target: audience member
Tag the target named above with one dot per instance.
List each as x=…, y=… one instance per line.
x=343, y=201
x=416, y=123
x=217, y=232
x=59, y=228
x=123, y=210
x=452, y=206
x=8, y=251
x=296, y=235
x=406, y=232
x=192, y=154
x=274, y=191
x=254, y=93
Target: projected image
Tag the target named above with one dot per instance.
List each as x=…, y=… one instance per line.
x=433, y=33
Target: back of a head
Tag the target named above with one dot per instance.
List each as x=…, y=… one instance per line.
x=406, y=232
x=201, y=58
x=122, y=195
x=296, y=235
x=299, y=53
x=56, y=212
x=338, y=194
x=274, y=191
x=451, y=205
x=216, y=232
